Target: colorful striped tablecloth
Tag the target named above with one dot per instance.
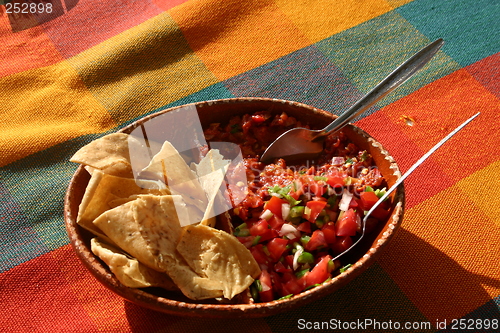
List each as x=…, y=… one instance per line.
x=74, y=70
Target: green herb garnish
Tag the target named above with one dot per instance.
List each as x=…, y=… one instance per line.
x=345, y=268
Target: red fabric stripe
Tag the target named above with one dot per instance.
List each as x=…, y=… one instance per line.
x=36, y=297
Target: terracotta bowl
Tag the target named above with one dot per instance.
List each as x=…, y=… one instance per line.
x=360, y=257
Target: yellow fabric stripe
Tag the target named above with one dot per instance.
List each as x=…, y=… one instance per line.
x=142, y=69
x=320, y=19
x=42, y=107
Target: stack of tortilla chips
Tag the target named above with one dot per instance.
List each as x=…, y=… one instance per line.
x=155, y=226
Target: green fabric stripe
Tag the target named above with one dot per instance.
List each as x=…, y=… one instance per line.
x=370, y=51
x=38, y=183
x=470, y=28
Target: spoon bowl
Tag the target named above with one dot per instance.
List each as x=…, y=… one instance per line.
x=302, y=143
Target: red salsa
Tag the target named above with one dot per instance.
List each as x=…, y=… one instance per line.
x=295, y=218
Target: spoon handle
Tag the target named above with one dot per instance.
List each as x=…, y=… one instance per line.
x=403, y=177
x=391, y=82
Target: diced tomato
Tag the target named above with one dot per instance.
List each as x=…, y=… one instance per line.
x=316, y=241
x=380, y=213
x=354, y=203
x=259, y=255
x=274, y=205
x=266, y=295
x=289, y=260
x=247, y=241
x=368, y=199
x=276, y=247
x=346, y=226
x=317, y=189
x=280, y=268
x=269, y=234
x=257, y=118
x=292, y=287
x=319, y=273
x=259, y=227
x=276, y=222
x=305, y=227
x=341, y=244
x=370, y=224
x=329, y=232
x=276, y=281
x=287, y=277
x=335, y=180
x=315, y=209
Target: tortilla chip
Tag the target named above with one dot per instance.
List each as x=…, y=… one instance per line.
x=169, y=167
x=211, y=172
x=109, y=153
x=129, y=271
x=104, y=189
x=148, y=229
x=220, y=257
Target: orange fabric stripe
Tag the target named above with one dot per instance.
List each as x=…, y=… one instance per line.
x=445, y=259
x=25, y=49
x=248, y=34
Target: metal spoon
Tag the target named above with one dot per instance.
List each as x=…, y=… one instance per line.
x=402, y=178
x=302, y=143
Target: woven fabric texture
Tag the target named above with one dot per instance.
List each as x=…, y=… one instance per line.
x=89, y=67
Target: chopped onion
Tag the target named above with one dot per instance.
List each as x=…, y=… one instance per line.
x=274, y=194
x=338, y=160
x=285, y=210
x=289, y=231
x=346, y=200
x=265, y=287
x=330, y=191
x=296, y=256
x=266, y=215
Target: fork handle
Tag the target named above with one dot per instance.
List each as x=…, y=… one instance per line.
x=391, y=82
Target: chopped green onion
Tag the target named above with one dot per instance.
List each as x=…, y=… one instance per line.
x=304, y=240
x=368, y=188
x=256, y=240
x=301, y=273
x=332, y=201
x=241, y=230
x=307, y=211
x=291, y=200
x=380, y=193
x=280, y=191
x=254, y=291
x=319, y=222
x=296, y=211
x=349, y=160
x=258, y=285
x=235, y=128
x=320, y=178
x=306, y=257
x=345, y=268
x=312, y=286
x=285, y=297
x=364, y=156
x=331, y=265
x=266, y=251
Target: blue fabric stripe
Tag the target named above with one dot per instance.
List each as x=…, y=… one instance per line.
x=471, y=29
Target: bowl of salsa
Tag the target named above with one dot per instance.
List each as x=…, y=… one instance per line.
x=294, y=218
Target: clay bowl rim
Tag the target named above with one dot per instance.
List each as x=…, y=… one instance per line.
x=79, y=238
